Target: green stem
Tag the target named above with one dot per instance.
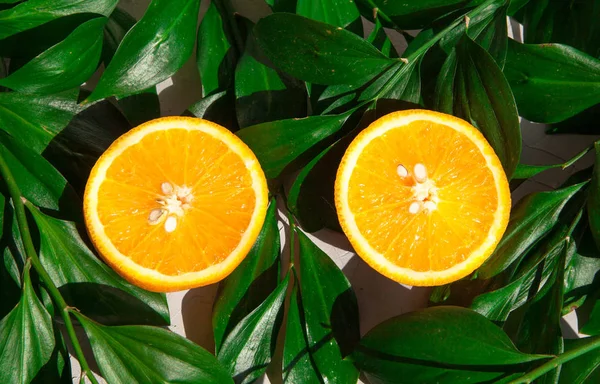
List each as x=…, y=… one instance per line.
x=30, y=252
x=557, y=361
x=292, y=236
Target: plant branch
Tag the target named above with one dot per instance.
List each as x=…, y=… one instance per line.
x=557, y=361
x=32, y=257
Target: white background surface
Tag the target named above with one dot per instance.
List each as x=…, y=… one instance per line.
x=378, y=297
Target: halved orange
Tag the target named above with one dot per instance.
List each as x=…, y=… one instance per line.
x=175, y=203
x=422, y=197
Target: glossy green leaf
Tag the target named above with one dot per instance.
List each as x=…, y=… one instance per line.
x=26, y=339
x=153, y=50
x=58, y=369
x=593, y=206
x=400, y=82
x=530, y=220
x=251, y=282
x=472, y=87
x=87, y=283
x=39, y=182
x=10, y=274
x=143, y=354
x=262, y=94
x=330, y=313
x=117, y=26
x=525, y=171
x=339, y=13
x=487, y=27
x=439, y=345
x=279, y=143
x=217, y=55
x=66, y=65
x=36, y=120
x=583, y=369
x=540, y=328
x=525, y=283
x=408, y=14
x=551, y=82
x=249, y=348
x=322, y=322
x=571, y=23
x=539, y=331
x=32, y=13
x=142, y=106
x=581, y=270
x=318, y=52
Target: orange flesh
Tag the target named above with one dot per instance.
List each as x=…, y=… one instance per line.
x=379, y=198
x=208, y=232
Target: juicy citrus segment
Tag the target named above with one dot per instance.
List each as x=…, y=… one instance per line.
x=422, y=197
x=175, y=203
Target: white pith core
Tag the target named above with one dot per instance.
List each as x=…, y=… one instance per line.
x=172, y=204
x=424, y=195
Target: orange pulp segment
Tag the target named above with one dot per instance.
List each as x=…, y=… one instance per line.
x=422, y=197
x=175, y=203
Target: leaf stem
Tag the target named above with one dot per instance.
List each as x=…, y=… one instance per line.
x=292, y=224
x=30, y=252
x=557, y=361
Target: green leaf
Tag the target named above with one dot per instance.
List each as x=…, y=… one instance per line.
x=153, y=50
x=142, y=106
x=583, y=369
x=35, y=120
x=282, y=5
x=530, y=220
x=32, y=13
x=593, y=204
x=317, y=52
x=117, y=26
x=310, y=360
x=251, y=282
x=539, y=331
x=58, y=369
x=525, y=171
x=330, y=310
x=581, y=270
x=525, y=283
x=39, y=182
x=10, y=274
x=487, y=27
x=400, y=82
x=339, y=13
x=217, y=55
x=249, y=348
x=262, y=94
x=87, y=283
x=26, y=339
x=408, y=14
x=551, y=82
x=279, y=143
x=472, y=87
x=143, y=354
x=571, y=23
x=439, y=345
x=66, y=65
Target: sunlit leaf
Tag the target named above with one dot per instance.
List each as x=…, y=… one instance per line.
x=153, y=50
x=251, y=282
x=66, y=65
x=143, y=354
x=26, y=339
x=87, y=283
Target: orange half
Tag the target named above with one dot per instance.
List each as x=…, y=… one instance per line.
x=175, y=203
x=422, y=197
